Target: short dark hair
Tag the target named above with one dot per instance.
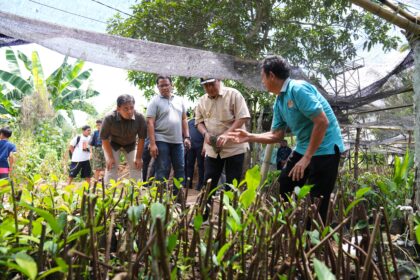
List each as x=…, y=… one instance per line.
x=7, y=132
x=98, y=121
x=162, y=77
x=125, y=98
x=276, y=64
x=85, y=127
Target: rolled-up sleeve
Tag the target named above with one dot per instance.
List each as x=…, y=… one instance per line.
x=241, y=109
x=142, y=131
x=106, y=128
x=198, y=114
x=151, y=109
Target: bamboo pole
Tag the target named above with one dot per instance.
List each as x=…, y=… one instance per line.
x=400, y=11
x=389, y=16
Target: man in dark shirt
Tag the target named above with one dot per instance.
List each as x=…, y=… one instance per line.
x=119, y=132
x=282, y=154
x=196, y=152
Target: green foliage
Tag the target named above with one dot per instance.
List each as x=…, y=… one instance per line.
x=302, y=31
x=397, y=190
x=26, y=265
x=75, y=215
x=64, y=88
x=41, y=152
x=322, y=271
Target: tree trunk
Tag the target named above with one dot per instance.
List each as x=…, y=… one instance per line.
x=416, y=85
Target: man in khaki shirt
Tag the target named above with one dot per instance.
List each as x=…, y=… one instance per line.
x=220, y=111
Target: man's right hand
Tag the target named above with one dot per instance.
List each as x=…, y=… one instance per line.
x=110, y=161
x=207, y=138
x=154, y=151
x=239, y=136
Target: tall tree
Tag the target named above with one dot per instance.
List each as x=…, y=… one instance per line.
x=318, y=35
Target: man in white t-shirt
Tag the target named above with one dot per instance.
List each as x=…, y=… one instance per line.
x=79, y=148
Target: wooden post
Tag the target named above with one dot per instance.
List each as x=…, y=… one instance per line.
x=415, y=44
x=266, y=162
x=410, y=136
x=356, y=153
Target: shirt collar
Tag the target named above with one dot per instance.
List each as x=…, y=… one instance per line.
x=285, y=84
x=170, y=98
x=221, y=92
x=118, y=116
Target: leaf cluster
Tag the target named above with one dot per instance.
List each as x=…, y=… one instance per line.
x=318, y=35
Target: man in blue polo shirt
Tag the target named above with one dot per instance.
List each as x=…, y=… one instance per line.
x=307, y=113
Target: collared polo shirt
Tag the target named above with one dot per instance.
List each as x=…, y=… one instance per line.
x=218, y=114
x=122, y=132
x=295, y=106
x=167, y=113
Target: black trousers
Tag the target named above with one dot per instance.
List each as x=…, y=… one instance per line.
x=321, y=172
x=213, y=168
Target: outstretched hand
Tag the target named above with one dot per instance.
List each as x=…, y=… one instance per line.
x=222, y=140
x=239, y=136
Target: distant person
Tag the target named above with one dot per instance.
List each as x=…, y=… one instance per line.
x=7, y=150
x=283, y=153
x=168, y=131
x=195, y=154
x=148, y=162
x=98, y=157
x=307, y=113
x=123, y=130
x=80, y=154
x=220, y=111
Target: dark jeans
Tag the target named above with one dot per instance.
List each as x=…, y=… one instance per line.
x=170, y=154
x=193, y=155
x=321, y=172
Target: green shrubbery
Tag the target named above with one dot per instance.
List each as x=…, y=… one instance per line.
x=42, y=152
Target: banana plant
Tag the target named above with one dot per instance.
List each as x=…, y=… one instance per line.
x=64, y=88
